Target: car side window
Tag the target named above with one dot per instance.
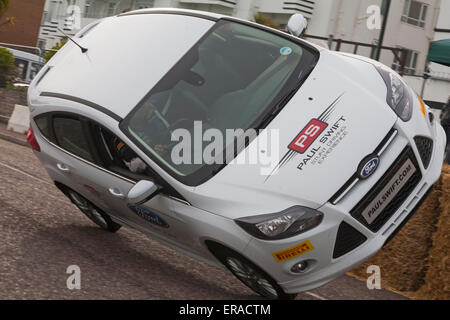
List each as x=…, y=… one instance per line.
x=42, y=122
x=70, y=135
x=121, y=158
x=117, y=156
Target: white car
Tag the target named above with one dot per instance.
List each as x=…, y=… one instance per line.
x=357, y=149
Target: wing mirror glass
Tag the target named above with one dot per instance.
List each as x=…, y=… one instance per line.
x=142, y=192
x=297, y=25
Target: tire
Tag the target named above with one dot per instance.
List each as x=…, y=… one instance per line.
x=96, y=215
x=250, y=274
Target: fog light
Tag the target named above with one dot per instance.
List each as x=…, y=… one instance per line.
x=300, y=267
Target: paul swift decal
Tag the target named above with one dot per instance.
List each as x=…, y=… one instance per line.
x=307, y=136
x=326, y=145
x=149, y=216
x=293, y=252
x=308, y=144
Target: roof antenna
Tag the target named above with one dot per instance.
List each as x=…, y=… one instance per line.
x=83, y=50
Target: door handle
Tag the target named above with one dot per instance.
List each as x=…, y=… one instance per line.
x=63, y=167
x=116, y=193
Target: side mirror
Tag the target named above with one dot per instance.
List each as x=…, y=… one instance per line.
x=297, y=25
x=142, y=191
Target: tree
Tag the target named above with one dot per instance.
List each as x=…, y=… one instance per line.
x=265, y=20
x=50, y=54
x=6, y=65
x=4, y=5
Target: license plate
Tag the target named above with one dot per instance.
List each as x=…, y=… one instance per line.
x=392, y=188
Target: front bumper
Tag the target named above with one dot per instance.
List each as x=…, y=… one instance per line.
x=323, y=267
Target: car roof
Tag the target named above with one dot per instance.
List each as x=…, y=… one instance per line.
x=185, y=12
x=127, y=55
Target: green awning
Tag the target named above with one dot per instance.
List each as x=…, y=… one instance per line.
x=440, y=52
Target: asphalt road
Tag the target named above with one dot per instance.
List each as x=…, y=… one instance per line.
x=42, y=233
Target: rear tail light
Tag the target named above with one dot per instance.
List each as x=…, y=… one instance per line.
x=32, y=140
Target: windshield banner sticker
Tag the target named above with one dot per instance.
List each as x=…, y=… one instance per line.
x=285, y=51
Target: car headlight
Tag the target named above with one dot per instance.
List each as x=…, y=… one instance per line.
x=281, y=225
x=399, y=96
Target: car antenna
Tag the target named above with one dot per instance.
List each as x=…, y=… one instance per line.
x=83, y=50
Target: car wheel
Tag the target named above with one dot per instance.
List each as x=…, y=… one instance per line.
x=251, y=275
x=96, y=215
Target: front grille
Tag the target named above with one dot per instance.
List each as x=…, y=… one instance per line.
x=425, y=147
x=395, y=202
x=347, y=239
x=354, y=179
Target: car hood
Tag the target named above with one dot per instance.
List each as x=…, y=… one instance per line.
x=345, y=100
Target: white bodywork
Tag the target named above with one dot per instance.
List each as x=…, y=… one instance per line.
x=119, y=69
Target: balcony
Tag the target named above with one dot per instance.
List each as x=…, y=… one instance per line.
x=305, y=7
x=223, y=3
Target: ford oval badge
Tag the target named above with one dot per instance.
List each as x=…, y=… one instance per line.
x=368, y=166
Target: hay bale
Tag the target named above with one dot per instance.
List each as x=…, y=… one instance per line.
x=416, y=261
x=437, y=279
x=402, y=261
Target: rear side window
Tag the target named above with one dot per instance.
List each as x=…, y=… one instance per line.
x=42, y=123
x=70, y=136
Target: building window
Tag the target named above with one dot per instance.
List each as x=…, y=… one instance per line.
x=415, y=13
x=111, y=9
x=41, y=43
x=410, y=65
x=144, y=5
x=87, y=6
x=44, y=17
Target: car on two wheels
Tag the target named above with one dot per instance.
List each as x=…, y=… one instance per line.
x=357, y=150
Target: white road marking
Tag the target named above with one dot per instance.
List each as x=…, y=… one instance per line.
x=315, y=295
x=35, y=178
x=24, y=173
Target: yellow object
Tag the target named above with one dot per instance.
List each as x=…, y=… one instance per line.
x=293, y=252
x=422, y=107
x=120, y=145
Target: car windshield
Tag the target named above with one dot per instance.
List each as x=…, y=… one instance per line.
x=230, y=79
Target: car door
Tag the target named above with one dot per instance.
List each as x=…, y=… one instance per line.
x=77, y=159
x=160, y=216
x=84, y=154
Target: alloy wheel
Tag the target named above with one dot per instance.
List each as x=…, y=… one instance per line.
x=252, y=278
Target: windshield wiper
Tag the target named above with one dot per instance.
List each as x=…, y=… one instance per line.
x=278, y=107
x=285, y=99
x=265, y=120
